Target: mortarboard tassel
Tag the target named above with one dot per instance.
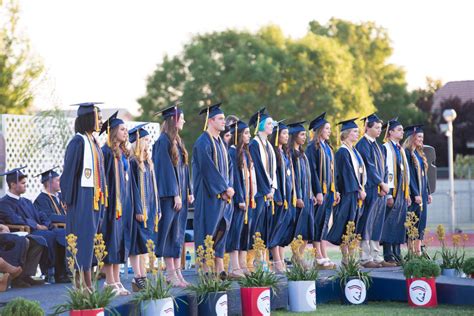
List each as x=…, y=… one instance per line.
x=176, y=114
x=277, y=135
x=137, y=147
x=96, y=112
x=156, y=222
x=285, y=204
x=311, y=134
x=207, y=118
x=258, y=123
x=235, y=133
x=109, y=143
x=386, y=132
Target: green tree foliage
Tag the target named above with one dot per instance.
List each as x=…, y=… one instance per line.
x=295, y=78
x=18, y=69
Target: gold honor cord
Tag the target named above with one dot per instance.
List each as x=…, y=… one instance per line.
x=277, y=135
x=419, y=177
x=359, y=201
x=236, y=132
x=293, y=180
x=54, y=204
x=155, y=189
x=248, y=183
x=118, y=203
x=216, y=163
x=96, y=174
x=96, y=115
x=143, y=197
x=207, y=119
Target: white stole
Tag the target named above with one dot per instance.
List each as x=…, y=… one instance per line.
x=272, y=179
x=355, y=165
x=392, y=163
x=87, y=177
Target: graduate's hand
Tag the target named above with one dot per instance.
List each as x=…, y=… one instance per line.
x=4, y=229
x=430, y=199
x=224, y=196
x=140, y=218
x=390, y=202
x=242, y=206
x=384, y=188
x=269, y=196
x=362, y=195
x=230, y=192
x=418, y=200
x=315, y=201
x=190, y=199
x=299, y=203
x=178, y=204
x=41, y=227
x=408, y=201
x=319, y=198
x=338, y=198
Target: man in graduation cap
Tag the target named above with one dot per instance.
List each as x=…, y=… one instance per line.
x=212, y=182
x=49, y=201
x=371, y=221
x=17, y=210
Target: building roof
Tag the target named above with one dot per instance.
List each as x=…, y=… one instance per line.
x=464, y=90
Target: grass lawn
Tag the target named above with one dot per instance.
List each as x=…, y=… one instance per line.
x=383, y=308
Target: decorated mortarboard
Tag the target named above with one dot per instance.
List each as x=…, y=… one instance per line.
x=86, y=107
x=48, y=174
x=296, y=127
x=137, y=132
x=413, y=129
x=318, y=122
x=237, y=127
x=14, y=174
x=211, y=111
x=258, y=117
x=111, y=122
x=348, y=124
x=371, y=118
x=279, y=126
x=173, y=110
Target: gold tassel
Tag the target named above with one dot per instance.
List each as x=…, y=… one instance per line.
x=96, y=112
x=258, y=123
x=285, y=204
x=378, y=189
x=265, y=198
x=386, y=132
x=311, y=134
x=276, y=138
x=333, y=187
x=235, y=133
x=246, y=216
x=207, y=118
x=118, y=211
x=273, y=207
x=252, y=203
x=156, y=223
x=109, y=143
x=137, y=147
x=106, y=196
x=294, y=201
x=359, y=203
x=325, y=188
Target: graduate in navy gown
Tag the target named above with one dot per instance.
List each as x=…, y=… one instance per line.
x=170, y=158
x=264, y=160
x=305, y=200
x=18, y=210
x=370, y=224
x=245, y=186
x=146, y=203
x=398, y=197
x=351, y=178
x=419, y=187
x=117, y=175
x=322, y=166
x=50, y=201
x=83, y=185
x=283, y=222
x=212, y=183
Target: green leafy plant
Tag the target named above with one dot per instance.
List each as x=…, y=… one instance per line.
x=421, y=268
x=468, y=266
x=350, y=267
x=302, y=269
x=452, y=258
x=22, y=307
x=81, y=297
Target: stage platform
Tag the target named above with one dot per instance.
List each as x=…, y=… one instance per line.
x=388, y=285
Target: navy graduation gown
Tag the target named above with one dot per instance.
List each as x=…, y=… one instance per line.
x=419, y=186
x=172, y=181
x=81, y=218
x=211, y=177
x=52, y=206
x=145, y=202
x=283, y=224
x=320, y=158
x=348, y=186
x=370, y=223
x=112, y=223
x=12, y=248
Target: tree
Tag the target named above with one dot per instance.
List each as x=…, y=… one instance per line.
x=295, y=79
x=18, y=69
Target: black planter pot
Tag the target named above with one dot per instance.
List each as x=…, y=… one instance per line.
x=213, y=304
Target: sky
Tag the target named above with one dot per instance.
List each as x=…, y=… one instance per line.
x=103, y=50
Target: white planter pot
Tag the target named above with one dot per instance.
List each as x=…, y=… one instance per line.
x=161, y=307
x=302, y=296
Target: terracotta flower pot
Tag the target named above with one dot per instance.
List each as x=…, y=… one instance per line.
x=87, y=312
x=256, y=301
x=422, y=292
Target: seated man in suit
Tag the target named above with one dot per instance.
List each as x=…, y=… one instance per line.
x=15, y=209
x=49, y=201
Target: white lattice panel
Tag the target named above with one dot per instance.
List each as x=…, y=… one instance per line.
x=40, y=143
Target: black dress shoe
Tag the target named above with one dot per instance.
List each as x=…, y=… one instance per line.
x=19, y=283
x=32, y=281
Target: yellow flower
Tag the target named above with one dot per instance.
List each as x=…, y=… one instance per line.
x=456, y=240
x=440, y=232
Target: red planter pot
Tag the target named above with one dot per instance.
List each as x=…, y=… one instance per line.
x=87, y=312
x=256, y=301
x=422, y=292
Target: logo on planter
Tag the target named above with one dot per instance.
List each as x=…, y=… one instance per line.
x=221, y=306
x=168, y=308
x=311, y=295
x=420, y=292
x=355, y=291
x=263, y=303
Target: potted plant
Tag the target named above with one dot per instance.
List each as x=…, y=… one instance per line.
x=20, y=306
x=84, y=301
x=452, y=258
x=155, y=298
x=210, y=289
x=354, y=282
x=421, y=274
x=256, y=286
x=302, y=276
x=468, y=267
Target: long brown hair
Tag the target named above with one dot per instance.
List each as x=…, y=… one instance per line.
x=409, y=144
x=118, y=147
x=171, y=130
x=284, y=147
x=317, y=137
x=241, y=149
x=300, y=151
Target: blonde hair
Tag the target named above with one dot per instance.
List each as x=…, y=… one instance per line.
x=409, y=144
x=345, y=134
x=144, y=155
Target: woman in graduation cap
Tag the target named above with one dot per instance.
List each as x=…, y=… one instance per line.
x=281, y=233
x=170, y=158
x=419, y=187
x=305, y=200
x=119, y=203
x=322, y=166
x=83, y=185
x=264, y=159
x=50, y=200
x=212, y=183
x=351, y=177
x=245, y=186
x=145, y=203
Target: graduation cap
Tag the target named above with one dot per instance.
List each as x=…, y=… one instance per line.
x=86, y=107
x=348, y=124
x=296, y=127
x=258, y=117
x=413, y=129
x=237, y=127
x=318, y=122
x=279, y=126
x=390, y=125
x=14, y=175
x=170, y=111
x=48, y=174
x=371, y=118
x=111, y=122
x=137, y=132
x=211, y=111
